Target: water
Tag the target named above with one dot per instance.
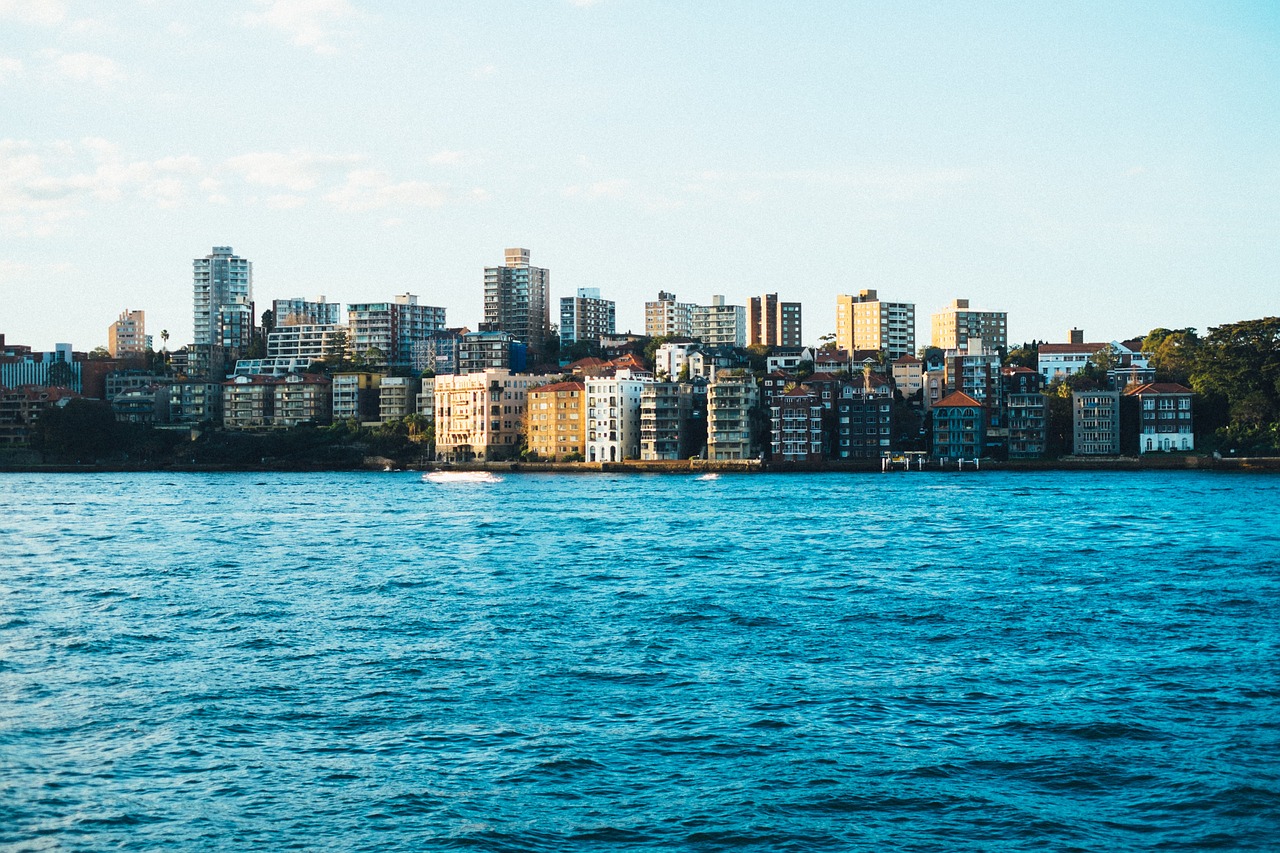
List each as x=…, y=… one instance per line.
x=924, y=661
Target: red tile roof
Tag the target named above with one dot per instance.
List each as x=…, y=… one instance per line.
x=1071, y=349
x=957, y=400
x=1159, y=388
x=559, y=386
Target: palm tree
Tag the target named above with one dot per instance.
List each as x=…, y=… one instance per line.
x=164, y=336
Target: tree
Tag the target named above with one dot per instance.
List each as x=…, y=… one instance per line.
x=99, y=353
x=1240, y=363
x=60, y=374
x=80, y=430
x=1026, y=355
x=164, y=336
x=1173, y=352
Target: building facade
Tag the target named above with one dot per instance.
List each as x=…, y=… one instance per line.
x=480, y=351
x=954, y=325
x=275, y=402
x=306, y=312
x=773, y=323
x=1163, y=421
x=664, y=317
x=719, y=324
x=127, y=336
x=959, y=427
x=309, y=342
x=731, y=398
x=586, y=317
x=517, y=300
x=556, y=421
x=865, y=322
x=613, y=416
x=223, y=311
x=357, y=396
x=481, y=415
x=386, y=333
x=667, y=412
x=1096, y=423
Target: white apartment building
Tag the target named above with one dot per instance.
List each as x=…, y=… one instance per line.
x=613, y=416
x=719, y=324
x=954, y=325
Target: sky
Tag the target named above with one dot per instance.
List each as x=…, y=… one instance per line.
x=1108, y=166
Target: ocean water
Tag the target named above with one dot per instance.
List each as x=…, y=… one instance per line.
x=923, y=661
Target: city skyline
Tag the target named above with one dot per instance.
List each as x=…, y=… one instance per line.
x=1107, y=168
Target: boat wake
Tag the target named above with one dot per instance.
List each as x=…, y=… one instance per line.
x=461, y=477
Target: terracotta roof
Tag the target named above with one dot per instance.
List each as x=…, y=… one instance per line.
x=907, y=359
x=1071, y=349
x=630, y=360
x=559, y=386
x=587, y=362
x=1017, y=368
x=1159, y=388
x=799, y=391
x=956, y=400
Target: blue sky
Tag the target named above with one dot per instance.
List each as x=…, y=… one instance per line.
x=1108, y=166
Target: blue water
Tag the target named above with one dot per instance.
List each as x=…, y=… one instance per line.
x=924, y=661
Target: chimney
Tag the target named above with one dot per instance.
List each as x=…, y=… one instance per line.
x=1075, y=336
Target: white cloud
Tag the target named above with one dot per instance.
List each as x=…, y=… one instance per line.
x=285, y=201
x=611, y=188
x=313, y=24
x=40, y=12
x=295, y=170
x=369, y=189
x=447, y=158
x=84, y=67
x=9, y=68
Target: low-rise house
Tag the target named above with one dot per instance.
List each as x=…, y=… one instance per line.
x=143, y=404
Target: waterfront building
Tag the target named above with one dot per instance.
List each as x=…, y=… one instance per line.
x=1161, y=417
x=556, y=421
x=959, y=430
x=666, y=318
x=195, y=402
x=731, y=398
x=398, y=397
x=517, y=300
x=796, y=426
x=117, y=382
x=955, y=324
x=385, y=333
x=585, y=317
x=719, y=324
x=481, y=415
x=309, y=342
x=356, y=396
x=142, y=404
x=667, y=415
x=613, y=416
x=863, y=418
x=492, y=350
x=1096, y=421
x=935, y=387
x=127, y=336
x=865, y=322
x=974, y=370
x=1024, y=411
x=427, y=399
x=306, y=312
x=771, y=322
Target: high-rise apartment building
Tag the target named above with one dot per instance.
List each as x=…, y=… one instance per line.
x=864, y=322
x=719, y=324
x=585, y=317
x=955, y=324
x=517, y=300
x=773, y=323
x=386, y=333
x=223, y=299
x=306, y=312
x=128, y=335
x=666, y=318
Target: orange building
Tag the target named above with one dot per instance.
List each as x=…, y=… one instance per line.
x=556, y=421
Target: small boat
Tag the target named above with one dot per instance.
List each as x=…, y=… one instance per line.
x=461, y=477
x=709, y=477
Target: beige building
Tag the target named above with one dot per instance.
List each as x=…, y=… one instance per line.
x=954, y=325
x=865, y=322
x=556, y=421
x=128, y=335
x=665, y=317
x=730, y=398
x=481, y=415
x=908, y=374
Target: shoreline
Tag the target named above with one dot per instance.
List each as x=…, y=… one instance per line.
x=1257, y=464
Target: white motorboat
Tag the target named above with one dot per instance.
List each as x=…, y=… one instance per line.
x=461, y=477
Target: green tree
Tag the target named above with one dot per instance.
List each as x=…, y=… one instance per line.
x=82, y=430
x=1173, y=353
x=1240, y=364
